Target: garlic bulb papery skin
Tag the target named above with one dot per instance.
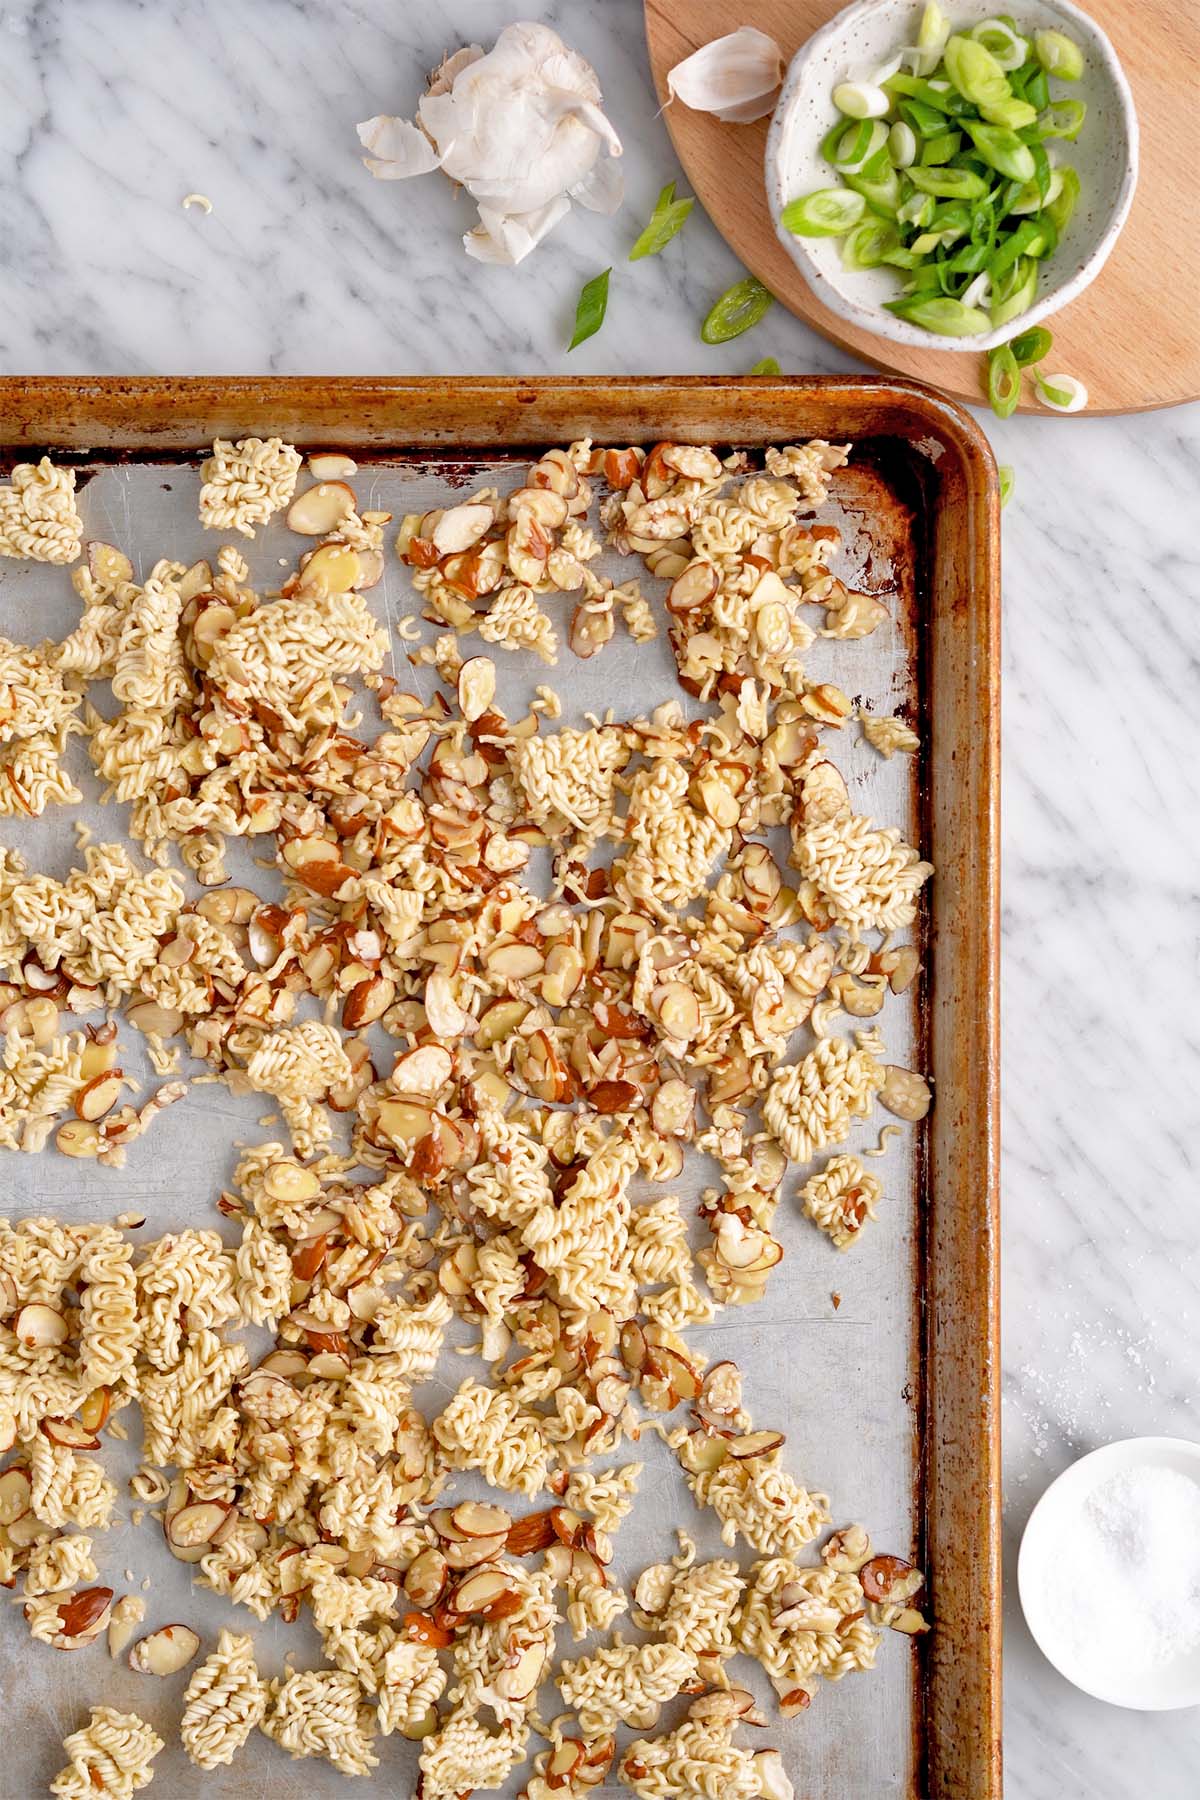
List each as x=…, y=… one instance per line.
x=736, y=77
x=519, y=127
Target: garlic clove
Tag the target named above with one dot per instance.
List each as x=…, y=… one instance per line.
x=398, y=148
x=736, y=76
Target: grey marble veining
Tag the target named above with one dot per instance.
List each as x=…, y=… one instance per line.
x=112, y=110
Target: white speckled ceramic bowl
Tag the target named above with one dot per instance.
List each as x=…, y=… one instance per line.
x=855, y=43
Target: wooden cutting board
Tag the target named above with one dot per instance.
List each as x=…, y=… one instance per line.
x=1133, y=337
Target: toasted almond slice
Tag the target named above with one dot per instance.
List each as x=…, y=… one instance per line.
x=476, y=686
x=446, y=1017
x=83, y=1615
x=521, y=1678
x=320, y=509
x=40, y=1327
x=460, y=527
x=564, y=1760
x=474, y=1519
x=329, y=1365
x=78, y=1139
x=290, y=1184
x=108, y=565
x=121, y=1628
x=608, y=1097
x=514, y=962
x=425, y=1070
x=334, y=569
x=15, y=1494
x=882, y=1575
x=488, y=1591
x=331, y=465
x=547, y=507
x=905, y=1093
x=71, y=1433
x=425, y=1578
x=367, y=1001
x=695, y=587
x=403, y=1122
x=756, y=1443
x=470, y=1552
x=196, y=1524
x=164, y=1652
x=98, y=1096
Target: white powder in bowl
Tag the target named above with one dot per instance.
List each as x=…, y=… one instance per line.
x=1125, y=1573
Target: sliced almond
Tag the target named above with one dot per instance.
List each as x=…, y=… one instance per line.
x=425, y=1578
x=15, y=1495
x=320, y=509
x=367, y=1001
x=76, y=1138
x=196, y=1524
x=696, y=586
x=905, y=1093
x=164, y=1652
x=474, y=1519
x=522, y=1677
x=470, y=1552
x=460, y=527
x=446, y=1017
x=40, y=1327
x=488, y=1591
x=333, y=569
x=756, y=1443
x=514, y=962
x=425, y=1070
x=83, y=1616
x=564, y=1759
x=98, y=1096
x=290, y=1184
x=548, y=508
x=109, y=565
x=882, y=1576
x=72, y=1434
x=331, y=465
x=403, y=1122
x=476, y=687
x=121, y=1628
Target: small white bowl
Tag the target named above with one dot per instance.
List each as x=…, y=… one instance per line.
x=856, y=42
x=1160, y=1689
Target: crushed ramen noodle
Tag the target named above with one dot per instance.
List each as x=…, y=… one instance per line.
x=488, y=1091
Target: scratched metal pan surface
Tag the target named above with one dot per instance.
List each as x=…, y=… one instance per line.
x=886, y=1397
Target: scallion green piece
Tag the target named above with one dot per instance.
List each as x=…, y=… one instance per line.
x=866, y=246
x=1063, y=119
x=1060, y=205
x=1003, y=381
x=1001, y=149
x=1031, y=346
x=932, y=33
x=738, y=308
x=1016, y=294
x=947, y=317
x=1006, y=476
x=948, y=184
x=590, y=308
x=830, y=212
x=1002, y=39
x=1058, y=54
x=669, y=216
x=1061, y=393
x=975, y=72
x=767, y=366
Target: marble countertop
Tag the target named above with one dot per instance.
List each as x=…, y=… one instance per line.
x=111, y=112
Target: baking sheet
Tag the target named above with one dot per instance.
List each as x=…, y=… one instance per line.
x=844, y=1383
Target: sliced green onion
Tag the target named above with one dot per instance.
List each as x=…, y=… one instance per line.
x=1016, y=114
x=1005, y=43
x=1037, y=89
x=669, y=216
x=861, y=100
x=1001, y=149
x=1058, y=54
x=1030, y=200
x=1003, y=381
x=902, y=145
x=590, y=308
x=916, y=210
x=738, y=308
x=1031, y=346
x=952, y=184
x=1063, y=119
x=861, y=141
x=977, y=292
x=975, y=72
x=866, y=246
x=830, y=212
x=940, y=149
x=1061, y=393
x=932, y=33
x=767, y=366
x=1060, y=205
x=1016, y=295
x=1006, y=476
x=946, y=317
x=880, y=189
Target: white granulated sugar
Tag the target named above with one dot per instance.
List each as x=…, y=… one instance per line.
x=1125, y=1586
